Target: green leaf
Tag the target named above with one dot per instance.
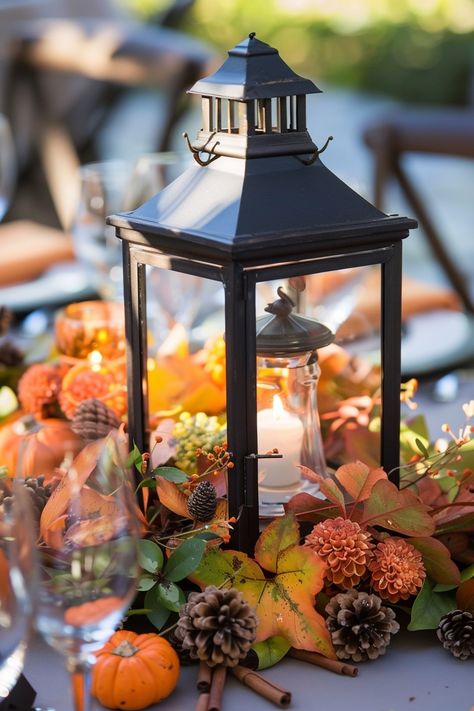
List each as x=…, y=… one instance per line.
x=437, y=561
x=170, y=595
x=145, y=583
x=159, y=614
x=150, y=556
x=271, y=651
x=207, y=536
x=467, y=573
x=184, y=559
x=422, y=447
x=463, y=524
x=171, y=474
x=439, y=587
x=429, y=607
x=135, y=458
x=147, y=484
x=397, y=510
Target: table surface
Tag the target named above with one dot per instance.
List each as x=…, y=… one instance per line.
x=416, y=674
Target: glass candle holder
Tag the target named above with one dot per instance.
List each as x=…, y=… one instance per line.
x=287, y=406
x=288, y=419
x=91, y=326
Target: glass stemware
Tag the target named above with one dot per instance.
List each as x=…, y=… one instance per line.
x=7, y=166
x=17, y=580
x=88, y=555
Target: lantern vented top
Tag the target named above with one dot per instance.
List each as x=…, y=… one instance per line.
x=253, y=106
x=283, y=332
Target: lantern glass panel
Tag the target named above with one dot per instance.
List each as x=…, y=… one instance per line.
x=186, y=359
x=320, y=407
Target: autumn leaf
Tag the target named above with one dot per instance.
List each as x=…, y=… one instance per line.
x=275, y=539
x=359, y=480
x=308, y=508
x=465, y=596
x=284, y=603
x=437, y=560
x=172, y=496
x=400, y=511
x=327, y=487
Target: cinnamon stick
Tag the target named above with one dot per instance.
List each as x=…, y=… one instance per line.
x=318, y=660
x=270, y=691
x=203, y=683
x=217, y=689
x=203, y=702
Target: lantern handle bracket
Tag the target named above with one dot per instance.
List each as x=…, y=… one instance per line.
x=316, y=154
x=197, y=151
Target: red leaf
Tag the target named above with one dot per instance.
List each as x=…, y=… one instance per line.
x=465, y=596
x=358, y=480
x=309, y=508
x=437, y=560
x=328, y=487
x=396, y=510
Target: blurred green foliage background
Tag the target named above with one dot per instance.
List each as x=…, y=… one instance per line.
x=416, y=50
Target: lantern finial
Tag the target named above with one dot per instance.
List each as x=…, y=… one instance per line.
x=252, y=35
x=282, y=306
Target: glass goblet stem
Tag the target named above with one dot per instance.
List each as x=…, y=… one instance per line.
x=80, y=672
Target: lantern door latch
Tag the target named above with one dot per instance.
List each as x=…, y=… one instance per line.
x=267, y=455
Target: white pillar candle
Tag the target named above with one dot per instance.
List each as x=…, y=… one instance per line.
x=279, y=428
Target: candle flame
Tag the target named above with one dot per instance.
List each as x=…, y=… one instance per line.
x=278, y=408
x=95, y=360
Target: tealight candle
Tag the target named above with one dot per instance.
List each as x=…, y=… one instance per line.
x=279, y=428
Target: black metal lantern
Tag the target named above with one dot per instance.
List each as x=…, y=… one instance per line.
x=259, y=208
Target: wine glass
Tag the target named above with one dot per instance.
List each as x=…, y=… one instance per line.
x=88, y=556
x=7, y=166
x=103, y=188
x=17, y=580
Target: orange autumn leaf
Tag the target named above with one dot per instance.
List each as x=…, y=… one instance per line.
x=91, y=612
x=68, y=487
x=207, y=397
x=172, y=497
x=358, y=479
x=284, y=603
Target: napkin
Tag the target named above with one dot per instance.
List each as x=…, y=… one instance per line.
x=27, y=249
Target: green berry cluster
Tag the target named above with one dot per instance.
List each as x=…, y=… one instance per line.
x=193, y=432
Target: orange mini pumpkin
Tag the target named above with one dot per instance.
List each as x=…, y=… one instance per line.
x=43, y=444
x=133, y=671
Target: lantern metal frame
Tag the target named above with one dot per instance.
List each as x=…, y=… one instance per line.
x=240, y=261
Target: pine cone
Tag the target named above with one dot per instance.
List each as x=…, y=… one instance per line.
x=344, y=546
x=217, y=626
x=10, y=355
x=38, y=390
x=37, y=489
x=456, y=632
x=360, y=626
x=6, y=318
x=202, y=503
x=94, y=420
x=397, y=569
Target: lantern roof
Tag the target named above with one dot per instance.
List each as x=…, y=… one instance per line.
x=253, y=70
x=258, y=209
x=281, y=332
